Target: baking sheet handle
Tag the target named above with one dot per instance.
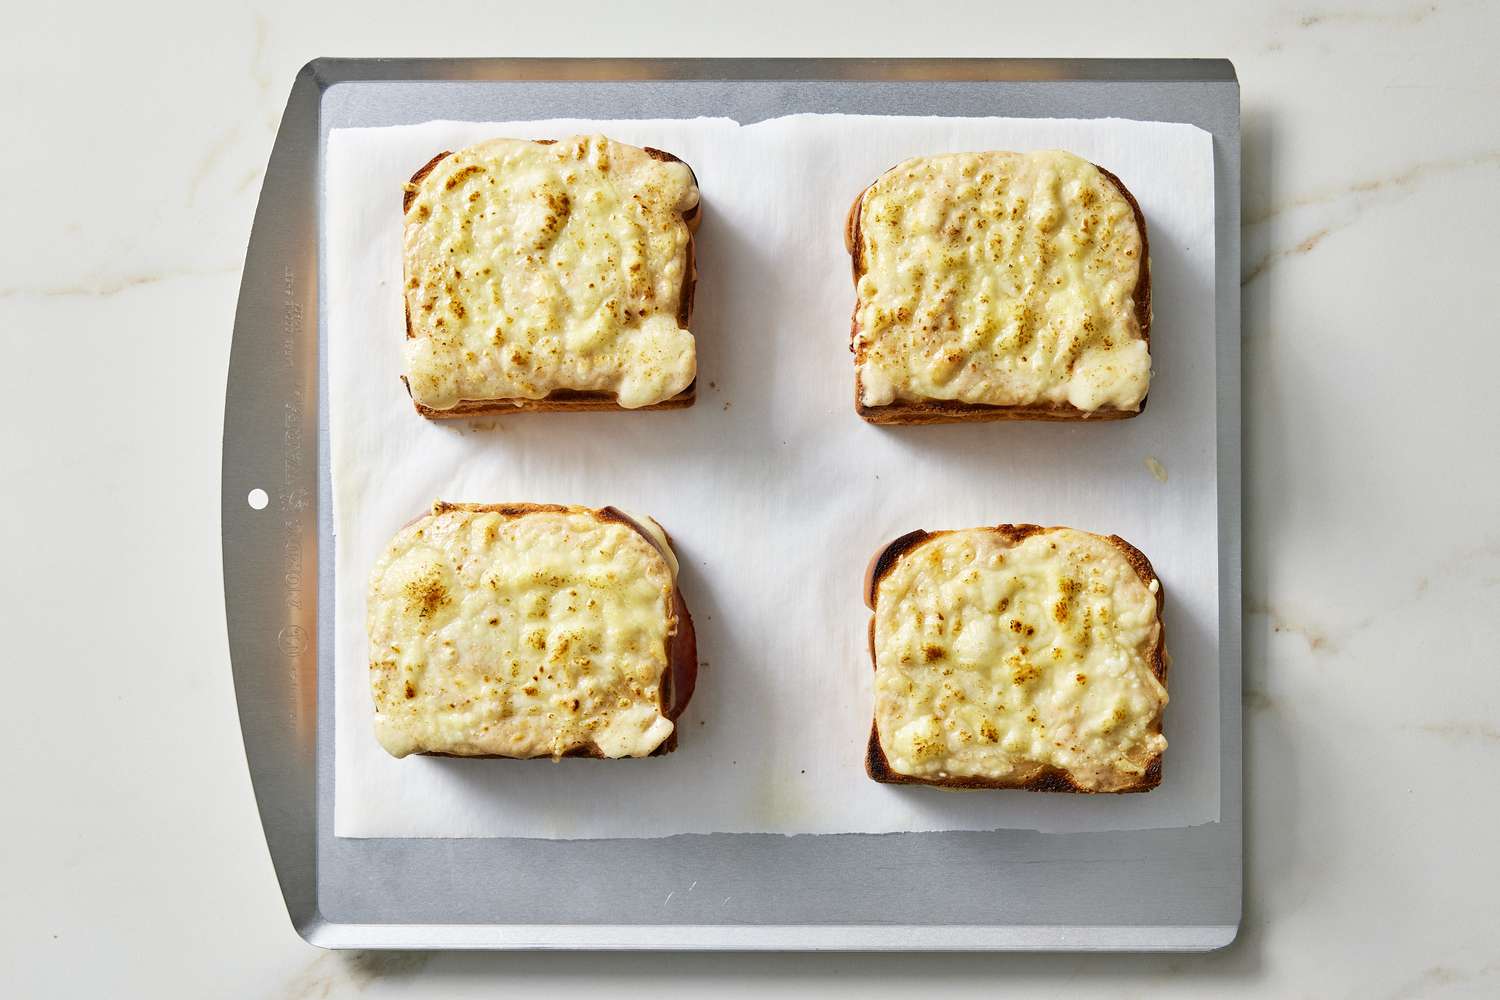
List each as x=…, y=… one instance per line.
x=269, y=502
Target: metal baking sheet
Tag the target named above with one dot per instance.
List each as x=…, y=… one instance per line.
x=1160, y=890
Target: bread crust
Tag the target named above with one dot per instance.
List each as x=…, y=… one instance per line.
x=936, y=411
x=678, y=680
x=569, y=399
x=560, y=400
x=1042, y=777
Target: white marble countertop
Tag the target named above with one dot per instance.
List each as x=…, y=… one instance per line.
x=1371, y=164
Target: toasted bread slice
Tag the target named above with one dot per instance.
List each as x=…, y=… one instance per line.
x=550, y=275
x=999, y=286
x=529, y=630
x=1016, y=657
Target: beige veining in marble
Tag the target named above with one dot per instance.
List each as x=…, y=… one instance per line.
x=212, y=155
x=1487, y=731
x=1353, y=200
x=105, y=287
x=1407, y=177
x=1360, y=16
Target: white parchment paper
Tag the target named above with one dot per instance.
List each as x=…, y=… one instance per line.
x=775, y=492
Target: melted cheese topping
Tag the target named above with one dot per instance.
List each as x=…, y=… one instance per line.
x=535, y=267
x=1005, y=279
x=524, y=635
x=994, y=661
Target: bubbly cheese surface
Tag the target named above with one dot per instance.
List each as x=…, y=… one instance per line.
x=521, y=636
x=995, y=662
x=534, y=267
x=1000, y=278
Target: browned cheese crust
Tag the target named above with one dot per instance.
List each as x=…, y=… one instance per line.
x=681, y=676
x=1047, y=778
x=952, y=412
x=570, y=399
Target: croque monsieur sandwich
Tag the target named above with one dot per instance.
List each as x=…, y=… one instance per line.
x=529, y=630
x=1016, y=657
x=999, y=286
x=550, y=275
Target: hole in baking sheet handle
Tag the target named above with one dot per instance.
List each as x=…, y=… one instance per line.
x=258, y=499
